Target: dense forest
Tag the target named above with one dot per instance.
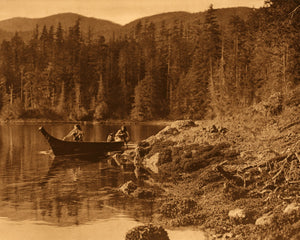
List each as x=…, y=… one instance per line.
x=181, y=70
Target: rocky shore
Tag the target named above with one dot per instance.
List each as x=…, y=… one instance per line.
x=235, y=179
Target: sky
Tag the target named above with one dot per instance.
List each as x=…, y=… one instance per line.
x=118, y=11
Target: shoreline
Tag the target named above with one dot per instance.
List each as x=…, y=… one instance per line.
x=111, y=121
x=233, y=179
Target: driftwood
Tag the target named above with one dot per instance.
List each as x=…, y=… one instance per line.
x=294, y=182
x=271, y=174
x=289, y=126
x=292, y=13
x=280, y=170
x=238, y=180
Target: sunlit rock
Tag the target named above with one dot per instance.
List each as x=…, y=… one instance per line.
x=237, y=214
x=151, y=163
x=183, y=124
x=265, y=219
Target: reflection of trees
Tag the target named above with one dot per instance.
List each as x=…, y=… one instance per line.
x=78, y=191
x=59, y=191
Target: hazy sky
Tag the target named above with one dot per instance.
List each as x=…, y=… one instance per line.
x=118, y=11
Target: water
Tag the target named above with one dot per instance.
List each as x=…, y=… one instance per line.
x=42, y=197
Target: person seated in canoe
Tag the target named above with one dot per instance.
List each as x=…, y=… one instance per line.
x=122, y=135
x=76, y=133
x=110, y=137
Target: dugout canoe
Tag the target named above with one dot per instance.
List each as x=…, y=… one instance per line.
x=70, y=148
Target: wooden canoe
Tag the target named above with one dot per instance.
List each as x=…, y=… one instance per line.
x=70, y=148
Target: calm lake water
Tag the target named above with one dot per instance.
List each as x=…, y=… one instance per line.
x=42, y=197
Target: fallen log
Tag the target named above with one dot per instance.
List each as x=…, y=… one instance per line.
x=231, y=177
x=282, y=167
x=289, y=126
x=280, y=170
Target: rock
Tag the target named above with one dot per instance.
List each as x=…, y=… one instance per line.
x=142, y=151
x=183, y=124
x=128, y=187
x=164, y=134
x=174, y=208
x=265, y=219
x=143, y=144
x=170, y=131
x=165, y=156
x=293, y=207
x=228, y=235
x=237, y=214
x=151, y=163
x=147, y=232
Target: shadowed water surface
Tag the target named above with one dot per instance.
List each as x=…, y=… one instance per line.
x=42, y=197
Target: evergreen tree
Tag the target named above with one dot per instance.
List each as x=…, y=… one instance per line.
x=212, y=43
x=145, y=100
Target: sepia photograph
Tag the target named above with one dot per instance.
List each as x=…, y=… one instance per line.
x=149, y=120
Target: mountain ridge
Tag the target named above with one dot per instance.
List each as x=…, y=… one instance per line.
x=51, y=19
x=25, y=26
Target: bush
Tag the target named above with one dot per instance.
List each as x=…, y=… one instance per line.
x=81, y=115
x=44, y=113
x=101, y=111
x=12, y=111
x=293, y=98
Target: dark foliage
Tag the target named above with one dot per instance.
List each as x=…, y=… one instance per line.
x=174, y=66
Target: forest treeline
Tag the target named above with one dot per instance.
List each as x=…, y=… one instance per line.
x=196, y=70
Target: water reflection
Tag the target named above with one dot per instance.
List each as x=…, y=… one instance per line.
x=61, y=191
x=76, y=191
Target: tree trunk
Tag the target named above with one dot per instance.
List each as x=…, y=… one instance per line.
x=236, y=49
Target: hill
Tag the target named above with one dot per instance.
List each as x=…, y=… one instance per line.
x=186, y=18
x=106, y=28
x=25, y=25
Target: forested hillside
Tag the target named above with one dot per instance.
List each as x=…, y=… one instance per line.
x=179, y=65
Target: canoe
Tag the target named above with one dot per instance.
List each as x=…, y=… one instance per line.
x=70, y=148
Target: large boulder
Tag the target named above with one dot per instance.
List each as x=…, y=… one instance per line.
x=265, y=219
x=147, y=232
x=151, y=163
x=183, y=124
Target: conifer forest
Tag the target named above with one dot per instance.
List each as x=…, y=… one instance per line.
x=181, y=69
